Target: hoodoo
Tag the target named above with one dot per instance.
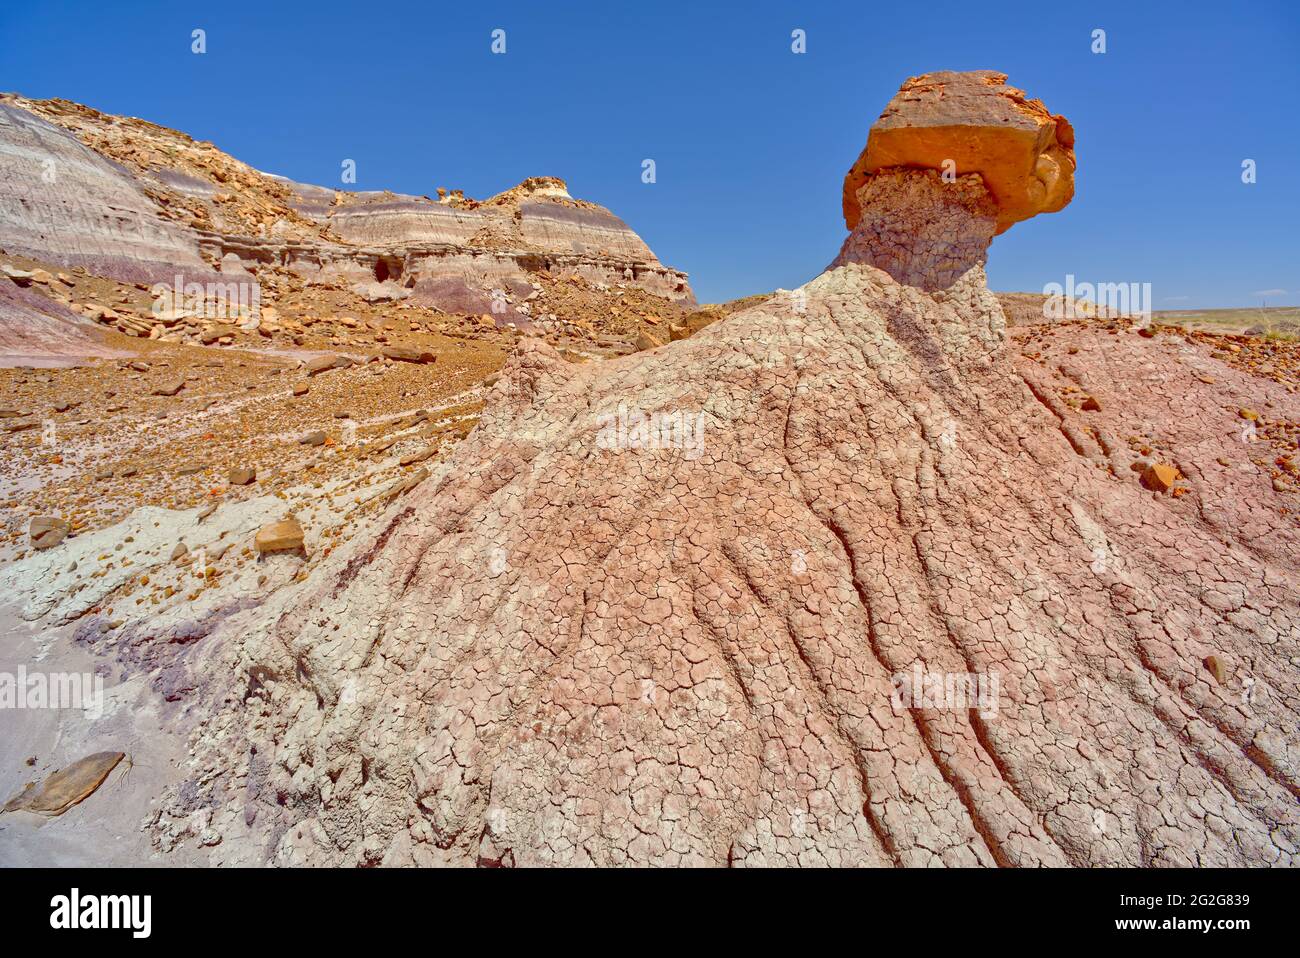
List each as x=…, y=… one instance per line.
x=560, y=650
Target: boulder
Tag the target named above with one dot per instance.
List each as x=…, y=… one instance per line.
x=47, y=531
x=645, y=341
x=320, y=364
x=21, y=277
x=216, y=334
x=283, y=536
x=408, y=354
x=1159, y=477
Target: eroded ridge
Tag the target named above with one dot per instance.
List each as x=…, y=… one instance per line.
x=564, y=654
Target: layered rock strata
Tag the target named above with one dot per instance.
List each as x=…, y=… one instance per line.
x=136, y=201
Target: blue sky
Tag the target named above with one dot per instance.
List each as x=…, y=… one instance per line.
x=751, y=141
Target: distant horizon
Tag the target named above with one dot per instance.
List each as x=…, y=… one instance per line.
x=750, y=139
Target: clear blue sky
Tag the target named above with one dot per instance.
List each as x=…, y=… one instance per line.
x=751, y=141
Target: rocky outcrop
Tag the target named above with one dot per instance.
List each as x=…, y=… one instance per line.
x=63, y=203
x=138, y=201
x=972, y=123
x=836, y=581
x=38, y=329
x=415, y=240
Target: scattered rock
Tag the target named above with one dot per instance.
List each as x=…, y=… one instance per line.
x=1214, y=665
x=20, y=276
x=408, y=354
x=1159, y=477
x=412, y=458
x=216, y=334
x=322, y=364
x=403, y=486
x=645, y=341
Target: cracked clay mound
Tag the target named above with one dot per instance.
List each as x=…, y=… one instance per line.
x=569, y=647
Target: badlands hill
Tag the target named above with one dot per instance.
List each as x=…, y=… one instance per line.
x=129, y=200
x=855, y=575
x=147, y=200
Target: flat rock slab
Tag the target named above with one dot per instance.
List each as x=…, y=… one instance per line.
x=408, y=354
x=66, y=787
x=322, y=364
